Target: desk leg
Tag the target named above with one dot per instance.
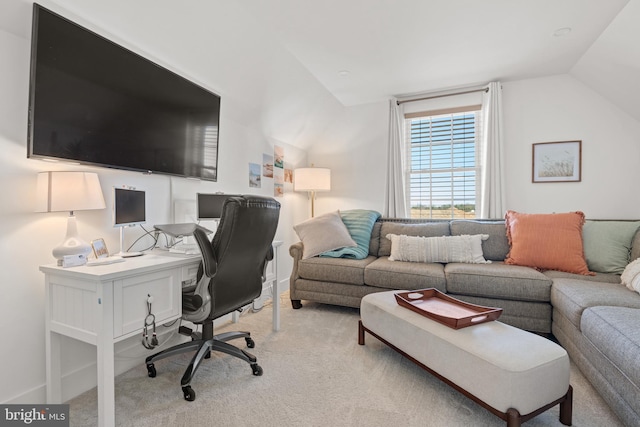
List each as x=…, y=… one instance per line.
x=54, y=383
x=276, y=293
x=276, y=305
x=105, y=355
x=106, y=385
x=52, y=349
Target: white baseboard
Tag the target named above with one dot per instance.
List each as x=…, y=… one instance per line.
x=283, y=285
x=266, y=294
x=36, y=395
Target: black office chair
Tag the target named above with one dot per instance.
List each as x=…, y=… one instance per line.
x=230, y=277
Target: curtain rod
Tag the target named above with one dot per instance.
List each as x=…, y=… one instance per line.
x=485, y=89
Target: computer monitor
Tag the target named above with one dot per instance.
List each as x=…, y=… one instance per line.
x=129, y=207
x=210, y=205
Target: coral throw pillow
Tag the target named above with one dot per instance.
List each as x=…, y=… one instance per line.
x=547, y=241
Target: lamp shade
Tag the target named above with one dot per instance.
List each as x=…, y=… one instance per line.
x=68, y=191
x=312, y=179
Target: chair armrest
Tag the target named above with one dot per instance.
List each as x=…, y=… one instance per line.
x=209, y=261
x=191, y=302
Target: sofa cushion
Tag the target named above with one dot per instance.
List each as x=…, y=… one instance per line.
x=598, y=277
x=496, y=247
x=547, y=241
x=615, y=333
x=572, y=296
x=442, y=249
x=430, y=229
x=498, y=280
x=404, y=275
x=339, y=270
x=323, y=233
x=359, y=222
x=374, y=244
x=607, y=244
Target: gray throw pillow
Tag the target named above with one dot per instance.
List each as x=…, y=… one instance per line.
x=323, y=233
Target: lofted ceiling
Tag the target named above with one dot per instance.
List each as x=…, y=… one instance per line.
x=363, y=51
x=402, y=47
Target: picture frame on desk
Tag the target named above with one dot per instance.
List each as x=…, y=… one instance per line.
x=99, y=248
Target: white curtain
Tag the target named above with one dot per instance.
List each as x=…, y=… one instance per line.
x=491, y=154
x=395, y=200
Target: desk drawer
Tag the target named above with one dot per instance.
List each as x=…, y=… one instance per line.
x=130, y=300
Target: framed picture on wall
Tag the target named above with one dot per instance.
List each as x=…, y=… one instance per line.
x=557, y=162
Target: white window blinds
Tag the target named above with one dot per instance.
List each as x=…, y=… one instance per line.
x=443, y=167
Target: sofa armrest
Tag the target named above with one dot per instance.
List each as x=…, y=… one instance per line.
x=295, y=251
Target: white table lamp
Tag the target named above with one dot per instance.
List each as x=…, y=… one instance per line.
x=312, y=180
x=69, y=191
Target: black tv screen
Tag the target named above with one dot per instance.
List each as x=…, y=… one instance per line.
x=94, y=102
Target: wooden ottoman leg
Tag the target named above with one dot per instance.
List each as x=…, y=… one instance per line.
x=360, y=333
x=566, y=408
x=513, y=418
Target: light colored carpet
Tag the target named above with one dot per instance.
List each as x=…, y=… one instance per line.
x=315, y=374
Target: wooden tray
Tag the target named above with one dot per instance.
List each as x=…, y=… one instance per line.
x=445, y=309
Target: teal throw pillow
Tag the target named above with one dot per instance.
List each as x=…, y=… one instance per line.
x=360, y=223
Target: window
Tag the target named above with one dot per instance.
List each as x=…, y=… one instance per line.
x=443, y=170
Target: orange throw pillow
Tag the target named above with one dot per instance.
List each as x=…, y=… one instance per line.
x=547, y=241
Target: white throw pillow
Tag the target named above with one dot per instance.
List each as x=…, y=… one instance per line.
x=323, y=233
x=631, y=276
x=465, y=248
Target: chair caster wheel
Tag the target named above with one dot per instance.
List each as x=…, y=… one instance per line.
x=189, y=394
x=151, y=370
x=250, y=342
x=257, y=370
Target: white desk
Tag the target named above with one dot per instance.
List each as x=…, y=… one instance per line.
x=102, y=305
x=272, y=276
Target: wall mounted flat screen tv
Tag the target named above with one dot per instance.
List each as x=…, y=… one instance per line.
x=94, y=102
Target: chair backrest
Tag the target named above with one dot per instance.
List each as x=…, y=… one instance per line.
x=236, y=257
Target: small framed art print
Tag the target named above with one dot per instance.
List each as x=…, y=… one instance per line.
x=557, y=162
x=99, y=248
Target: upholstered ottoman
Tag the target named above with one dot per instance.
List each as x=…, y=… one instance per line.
x=513, y=373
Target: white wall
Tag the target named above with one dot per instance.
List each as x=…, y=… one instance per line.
x=355, y=149
x=557, y=108
x=275, y=102
x=560, y=108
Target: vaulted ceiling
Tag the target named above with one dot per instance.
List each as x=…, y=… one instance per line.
x=366, y=50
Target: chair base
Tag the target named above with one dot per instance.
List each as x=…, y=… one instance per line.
x=203, y=347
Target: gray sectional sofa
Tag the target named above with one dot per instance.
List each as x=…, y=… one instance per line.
x=595, y=318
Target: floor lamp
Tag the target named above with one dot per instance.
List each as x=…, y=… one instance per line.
x=69, y=191
x=312, y=180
